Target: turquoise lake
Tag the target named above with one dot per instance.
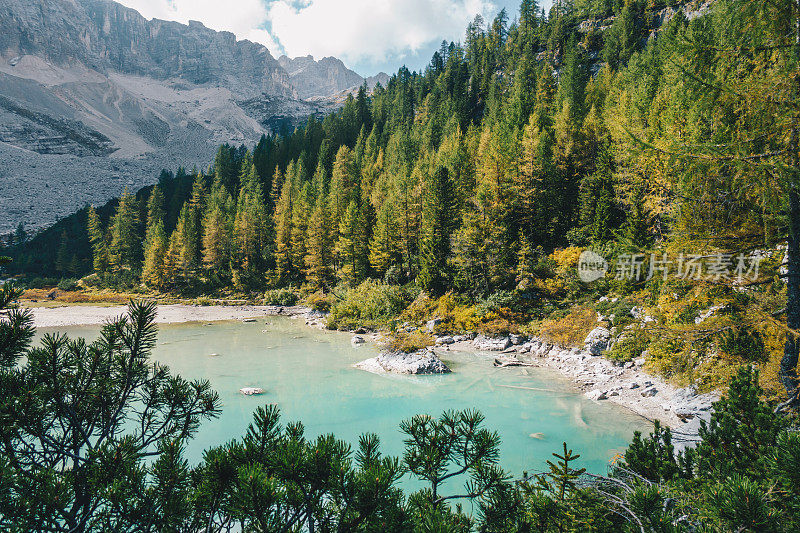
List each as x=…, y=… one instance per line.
x=308, y=373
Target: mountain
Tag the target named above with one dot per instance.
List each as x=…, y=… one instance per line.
x=326, y=78
x=94, y=98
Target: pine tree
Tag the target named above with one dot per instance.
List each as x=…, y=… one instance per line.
x=156, y=209
x=62, y=263
x=318, y=260
x=597, y=197
x=217, y=224
x=125, y=249
x=188, y=231
x=99, y=244
x=438, y=225
x=251, y=234
x=283, y=232
x=351, y=248
x=384, y=250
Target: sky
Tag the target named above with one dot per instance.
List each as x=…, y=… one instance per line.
x=368, y=35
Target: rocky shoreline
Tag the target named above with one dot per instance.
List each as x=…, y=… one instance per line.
x=600, y=380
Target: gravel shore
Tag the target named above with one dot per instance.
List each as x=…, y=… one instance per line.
x=86, y=315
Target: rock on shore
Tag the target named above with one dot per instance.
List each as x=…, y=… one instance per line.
x=421, y=362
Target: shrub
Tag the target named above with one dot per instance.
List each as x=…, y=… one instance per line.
x=68, y=285
x=630, y=345
x=371, y=304
x=496, y=301
x=409, y=342
x=280, y=297
x=319, y=301
x=422, y=308
x=572, y=329
x=40, y=283
x=496, y=324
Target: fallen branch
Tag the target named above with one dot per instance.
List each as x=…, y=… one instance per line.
x=502, y=363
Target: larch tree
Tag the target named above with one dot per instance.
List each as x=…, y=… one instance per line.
x=154, y=271
x=301, y=213
x=155, y=240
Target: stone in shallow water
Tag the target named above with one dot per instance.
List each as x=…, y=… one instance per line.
x=421, y=362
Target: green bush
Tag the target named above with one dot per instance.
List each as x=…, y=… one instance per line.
x=371, y=304
x=40, y=283
x=630, y=345
x=496, y=301
x=280, y=297
x=68, y=284
x=409, y=342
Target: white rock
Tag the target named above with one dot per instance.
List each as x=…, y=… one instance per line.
x=649, y=393
x=431, y=324
x=357, y=339
x=421, y=362
x=596, y=395
x=597, y=340
x=447, y=339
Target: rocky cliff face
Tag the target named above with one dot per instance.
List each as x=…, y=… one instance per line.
x=95, y=98
x=105, y=36
x=326, y=78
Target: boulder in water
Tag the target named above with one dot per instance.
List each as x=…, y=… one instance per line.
x=421, y=362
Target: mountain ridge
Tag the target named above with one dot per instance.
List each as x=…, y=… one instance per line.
x=94, y=97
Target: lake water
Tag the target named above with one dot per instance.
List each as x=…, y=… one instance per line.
x=308, y=373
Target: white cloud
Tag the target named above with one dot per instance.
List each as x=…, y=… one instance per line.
x=352, y=30
x=355, y=30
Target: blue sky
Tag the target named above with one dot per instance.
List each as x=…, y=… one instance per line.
x=368, y=35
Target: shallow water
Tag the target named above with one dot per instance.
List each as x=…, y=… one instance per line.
x=308, y=373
